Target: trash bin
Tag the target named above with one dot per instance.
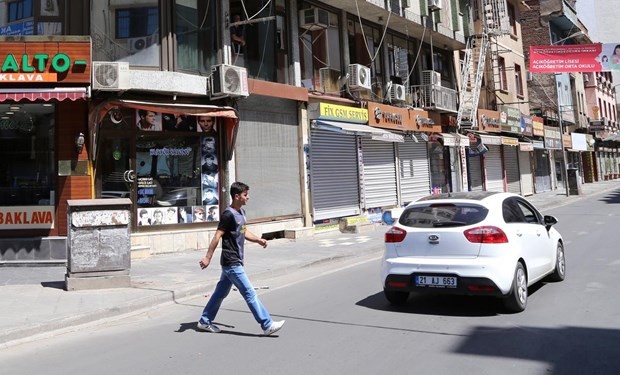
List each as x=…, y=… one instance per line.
x=574, y=188
x=98, y=244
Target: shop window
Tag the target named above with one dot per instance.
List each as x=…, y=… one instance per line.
x=364, y=49
x=27, y=158
x=320, y=48
x=519, y=80
x=196, y=30
x=503, y=81
x=34, y=17
x=258, y=33
x=173, y=174
x=123, y=32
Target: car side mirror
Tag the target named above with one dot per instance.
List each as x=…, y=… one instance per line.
x=550, y=221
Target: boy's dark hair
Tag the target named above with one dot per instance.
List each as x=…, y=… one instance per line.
x=238, y=188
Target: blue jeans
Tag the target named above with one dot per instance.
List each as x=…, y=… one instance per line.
x=236, y=276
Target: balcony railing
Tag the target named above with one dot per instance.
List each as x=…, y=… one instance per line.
x=434, y=97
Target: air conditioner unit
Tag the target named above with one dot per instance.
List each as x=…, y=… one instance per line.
x=431, y=77
x=329, y=80
x=313, y=19
x=228, y=80
x=110, y=76
x=138, y=44
x=359, y=77
x=434, y=5
x=398, y=93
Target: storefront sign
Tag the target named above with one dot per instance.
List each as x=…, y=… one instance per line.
x=327, y=111
x=538, y=144
x=526, y=126
x=552, y=138
x=513, y=119
x=26, y=217
x=597, y=126
x=508, y=141
x=566, y=141
x=538, y=127
x=579, y=141
x=389, y=117
x=489, y=121
x=523, y=146
x=27, y=62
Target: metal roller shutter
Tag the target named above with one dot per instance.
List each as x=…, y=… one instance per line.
x=415, y=178
x=379, y=173
x=333, y=175
x=511, y=164
x=494, y=170
x=525, y=168
x=267, y=156
x=475, y=173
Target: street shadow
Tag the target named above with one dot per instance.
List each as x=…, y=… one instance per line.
x=444, y=304
x=226, y=330
x=53, y=284
x=611, y=198
x=568, y=350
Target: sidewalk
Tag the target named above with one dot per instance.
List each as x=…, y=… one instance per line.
x=34, y=302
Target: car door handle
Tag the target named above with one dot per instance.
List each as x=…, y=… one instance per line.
x=519, y=234
x=538, y=233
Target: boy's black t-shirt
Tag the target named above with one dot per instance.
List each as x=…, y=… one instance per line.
x=232, y=223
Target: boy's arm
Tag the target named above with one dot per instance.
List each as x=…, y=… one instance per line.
x=252, y=238
x=204, y=262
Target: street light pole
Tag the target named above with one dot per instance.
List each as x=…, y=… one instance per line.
x=564, y=155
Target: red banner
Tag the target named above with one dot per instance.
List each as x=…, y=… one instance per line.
x=566, y=58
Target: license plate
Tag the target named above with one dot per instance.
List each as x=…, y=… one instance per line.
x=436, y=281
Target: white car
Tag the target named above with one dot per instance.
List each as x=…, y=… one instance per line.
x=472, y=243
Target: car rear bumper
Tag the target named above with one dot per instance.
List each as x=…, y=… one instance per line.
x=479, y=276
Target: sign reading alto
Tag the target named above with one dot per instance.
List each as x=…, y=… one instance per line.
x=25, y=60
x=26, y=217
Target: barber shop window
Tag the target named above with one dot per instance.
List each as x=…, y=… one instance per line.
x=34, y=17
x=27, y=167
x=259, y=38
x=122, y=31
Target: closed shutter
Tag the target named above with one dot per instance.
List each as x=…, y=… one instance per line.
x=511, y=165
x=267, y=155
x=415, y=178
x=494, y=170
x=379, y=173
x=475, y=173
x=333, y=175
x=525, y=169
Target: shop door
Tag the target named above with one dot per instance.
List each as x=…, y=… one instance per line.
x=114, y=168
x=511, y=165
x=543, y=174
x=333, y=175
x=379, y=174
x=415, y=179
x=525, y=169
x=494, y=169
x=474, y=166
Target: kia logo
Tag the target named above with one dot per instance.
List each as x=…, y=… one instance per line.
x=433, y=238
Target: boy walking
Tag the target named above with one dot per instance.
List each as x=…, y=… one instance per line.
x=232, y=230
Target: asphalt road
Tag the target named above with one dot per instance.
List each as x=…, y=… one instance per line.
x=339, y=323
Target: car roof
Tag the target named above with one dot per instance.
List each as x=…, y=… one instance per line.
x=479, y=196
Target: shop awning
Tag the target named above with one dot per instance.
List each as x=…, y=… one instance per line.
x=57, y=93
x=357, y=129
x=454, y=139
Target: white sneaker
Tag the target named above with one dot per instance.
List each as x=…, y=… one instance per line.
x=208, y=327
x=274, y=327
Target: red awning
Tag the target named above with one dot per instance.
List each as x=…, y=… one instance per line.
x=69, y=93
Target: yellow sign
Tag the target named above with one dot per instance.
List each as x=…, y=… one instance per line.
x=343, y=113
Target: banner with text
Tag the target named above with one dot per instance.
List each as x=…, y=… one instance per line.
x=599, y=57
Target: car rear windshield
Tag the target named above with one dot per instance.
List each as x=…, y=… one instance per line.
x=438, y=215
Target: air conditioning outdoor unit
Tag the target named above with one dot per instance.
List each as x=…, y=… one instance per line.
x=359, y=77
x=313, y=19
x=110, y=76
x=431, y=77
x=228, y=80
x=138, y=44
x=434, y=5
x=329, y=80
x=398, y=93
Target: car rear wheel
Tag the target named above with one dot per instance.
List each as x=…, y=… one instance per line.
x=560, y=265
x=517, y=299
x=396, y=297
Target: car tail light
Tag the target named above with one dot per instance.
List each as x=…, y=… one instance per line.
x=486, y=234
x=395, y=234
